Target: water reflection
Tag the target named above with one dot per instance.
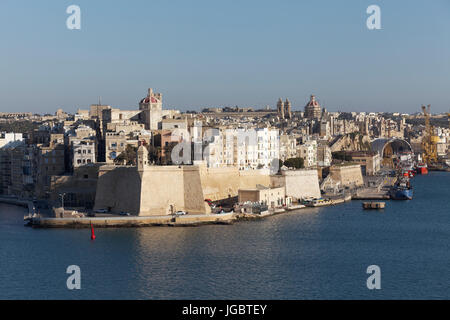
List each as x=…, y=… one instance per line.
x=314, y=253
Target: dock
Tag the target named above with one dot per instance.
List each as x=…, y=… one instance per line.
x=373, y=205
x=378, y=191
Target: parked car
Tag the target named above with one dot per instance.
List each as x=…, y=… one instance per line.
x=180, y=213
x=101, y=211
x=123, y=213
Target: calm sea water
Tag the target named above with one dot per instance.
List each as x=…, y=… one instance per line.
x=312, y=254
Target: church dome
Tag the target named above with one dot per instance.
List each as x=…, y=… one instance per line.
x=148, y=99
x=313, y=102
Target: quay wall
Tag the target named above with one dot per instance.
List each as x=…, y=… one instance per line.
x=117, y=222
x=14, y=201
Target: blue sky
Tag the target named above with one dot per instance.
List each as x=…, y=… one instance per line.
x=215, y=53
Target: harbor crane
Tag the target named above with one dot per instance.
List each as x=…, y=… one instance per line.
x=429, y=140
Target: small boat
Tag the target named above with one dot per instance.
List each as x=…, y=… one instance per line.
x=373, y=205
x=319, y=202
x=408, y=173
x=421, y=168
x=28, y=220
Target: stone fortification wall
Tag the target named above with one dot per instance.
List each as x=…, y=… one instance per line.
x=347, y=175
x=167, y=189
x=161, y=190
x=299, y=184
x=222, y=183
x=118, y=189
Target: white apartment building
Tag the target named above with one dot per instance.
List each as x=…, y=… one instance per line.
x=245, y=148
x=83, y=152
x=8, y=137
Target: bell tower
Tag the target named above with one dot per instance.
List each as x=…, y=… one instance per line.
x=142, y=158
x=280, y=108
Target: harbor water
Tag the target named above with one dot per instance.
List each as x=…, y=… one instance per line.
x=314, y=253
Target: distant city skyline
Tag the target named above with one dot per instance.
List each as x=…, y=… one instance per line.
x=211, y=54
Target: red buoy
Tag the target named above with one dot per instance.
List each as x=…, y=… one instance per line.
x=92, y=232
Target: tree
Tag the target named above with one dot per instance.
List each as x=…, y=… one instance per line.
x=128, y=156
x=342, y=155
x=296, y=163
x=154, y=154
x=167, y=159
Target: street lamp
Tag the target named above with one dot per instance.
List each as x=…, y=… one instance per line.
x=62, y=199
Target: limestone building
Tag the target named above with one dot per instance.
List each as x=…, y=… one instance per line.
x=284, y=109
x=151, y=107
x=272, y=197
x=313, y=109
x=7, y=137
x=244, y=148
x=308, y=151
x=287, y=109
x=152, y=112
x=83, y=152
x=288, y=147
x=280, y=108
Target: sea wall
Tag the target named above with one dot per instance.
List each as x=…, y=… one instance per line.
x=117, y=222
x=118, y=189
x=222, y=183
x=299, y=184
x=167, y=189
x=350, y=175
